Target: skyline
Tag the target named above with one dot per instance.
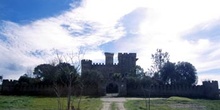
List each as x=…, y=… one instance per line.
x=32, y=32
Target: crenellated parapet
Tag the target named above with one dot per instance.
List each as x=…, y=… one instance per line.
x=103, y=64
x=130, y=54
x=210, y=83
x=9, y=82
x=127, y=62
x=86, y=65
x=211, y=89
x=208, y=90
x=86, y=61
x=98, y=64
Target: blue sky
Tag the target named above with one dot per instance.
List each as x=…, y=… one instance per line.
x=33, y=31
x=24, y=11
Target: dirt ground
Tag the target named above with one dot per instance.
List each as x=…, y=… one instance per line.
x=119, y=101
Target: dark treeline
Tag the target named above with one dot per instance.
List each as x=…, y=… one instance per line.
x=162, y=72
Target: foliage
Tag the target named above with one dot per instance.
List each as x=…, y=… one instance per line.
x=50, y=74
x=187, y=73
x=139, y=72
x=139, y=79
x=44, y=103
x=159, y=59
x=65, y=73
x=26, y=80
x=166, y=72
x=91, y=78
x=182, y=73
x=45, y=72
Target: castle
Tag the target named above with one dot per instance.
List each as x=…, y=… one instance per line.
x=114, y=81
x=126, y=65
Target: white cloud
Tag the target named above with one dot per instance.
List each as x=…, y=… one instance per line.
x=86, y=26
x=96, y=22
x=207, y=76
x=166, y=25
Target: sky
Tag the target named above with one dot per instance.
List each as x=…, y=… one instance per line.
x=33, y=32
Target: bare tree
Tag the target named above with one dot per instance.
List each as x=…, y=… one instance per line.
x=70, y=76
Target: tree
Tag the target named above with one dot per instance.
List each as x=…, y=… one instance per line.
x=69, y=76
x=187, y=73
x=140, y=71
x=60, y=74
x=65, y=73
x=159, y=60
x=46, y=73
x=91, y=78
x=182, y=73
x=168, y=73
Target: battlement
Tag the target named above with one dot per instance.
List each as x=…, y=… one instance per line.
x=86, y=60
x=98, y=64
x=130, y=54
x=102, y=64
x=9, y=82
x=210, y=83
x=11, y=87
x=109, y=58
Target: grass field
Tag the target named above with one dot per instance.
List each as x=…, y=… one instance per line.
x=48, y=103
x=173, y=103
x=45, y=103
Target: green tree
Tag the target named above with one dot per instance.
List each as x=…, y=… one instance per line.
x=68, y=75
x=140, y=72
x=45, y=73
x=187, y=73
x=91, y=78
x=168, y=73
x=159, y=58
x=65, y=73
x=182, y=73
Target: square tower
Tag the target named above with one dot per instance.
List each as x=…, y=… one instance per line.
x=109, y=58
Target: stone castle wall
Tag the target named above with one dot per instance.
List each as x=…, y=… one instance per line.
x=126, y=64
x=208, y=90
x=11, y=87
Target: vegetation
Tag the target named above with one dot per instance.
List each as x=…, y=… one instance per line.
x=162, y=72
x=166, y=72
x=174, y=103
x=51, y=74
x=113, y=106
x=44, y=103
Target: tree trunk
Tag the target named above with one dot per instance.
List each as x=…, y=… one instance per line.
x=69, y=96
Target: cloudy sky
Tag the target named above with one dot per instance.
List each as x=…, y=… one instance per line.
x=34, y=31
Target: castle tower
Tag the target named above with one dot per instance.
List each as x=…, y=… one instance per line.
x=86, y=65
x=109, y=58
x=127, y=62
